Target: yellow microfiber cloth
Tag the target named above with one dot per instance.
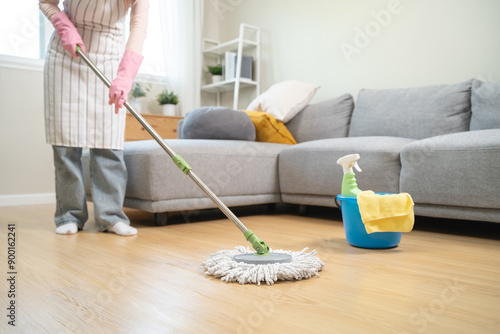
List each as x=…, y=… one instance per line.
x=386, y=213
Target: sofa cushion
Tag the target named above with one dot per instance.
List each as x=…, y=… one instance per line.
x=459, y=169
x=418, y=113
x=485, y=100
x=217, y=123
x=327, y=119
x=239, y=172
x=269, y=129
x=310, y=169
x=284, y=99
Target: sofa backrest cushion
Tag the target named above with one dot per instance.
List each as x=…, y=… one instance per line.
x=417, y=113
x=323, y=120
x=485, y=100
x=216, y=123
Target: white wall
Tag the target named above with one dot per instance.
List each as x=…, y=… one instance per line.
x=422, y=43
x=426, y=42
x=26, y=160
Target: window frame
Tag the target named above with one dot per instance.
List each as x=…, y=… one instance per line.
x=23, y=63
x=32, y=64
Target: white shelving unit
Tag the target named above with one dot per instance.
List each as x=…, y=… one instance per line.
x=217, y=50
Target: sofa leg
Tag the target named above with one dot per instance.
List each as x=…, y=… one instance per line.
x=303, y=210
x=271, y=208
x=160, y=218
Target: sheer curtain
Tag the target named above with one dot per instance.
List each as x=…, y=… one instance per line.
x=182, y=23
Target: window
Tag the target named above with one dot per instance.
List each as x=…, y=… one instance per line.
x=153, y=66
x=25, y=32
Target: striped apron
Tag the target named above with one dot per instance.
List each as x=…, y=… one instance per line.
x=77, y=113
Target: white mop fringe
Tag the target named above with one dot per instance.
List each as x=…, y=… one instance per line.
x=221, y=264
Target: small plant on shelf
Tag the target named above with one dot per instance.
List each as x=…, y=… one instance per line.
x=167, y=100
x=215, y=70
x=138, y=90
x=166, y=97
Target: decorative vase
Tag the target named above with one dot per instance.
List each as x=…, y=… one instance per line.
x=216, y=78
x=168, y=109
x=136, y=104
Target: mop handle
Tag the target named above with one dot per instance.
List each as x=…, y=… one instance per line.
x=175, y=157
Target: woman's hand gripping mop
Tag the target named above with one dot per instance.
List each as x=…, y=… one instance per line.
x=372, y=220
x=239, y=265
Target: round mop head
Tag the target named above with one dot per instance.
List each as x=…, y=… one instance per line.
x=222, y=264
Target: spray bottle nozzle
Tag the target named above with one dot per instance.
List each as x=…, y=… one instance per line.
x=348, y=162
x=357, y=166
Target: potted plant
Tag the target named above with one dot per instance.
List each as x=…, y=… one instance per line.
x=138, y=90
x=167, y=100
x=216, y=72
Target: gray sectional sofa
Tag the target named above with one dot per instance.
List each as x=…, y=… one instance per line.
x=439, y=143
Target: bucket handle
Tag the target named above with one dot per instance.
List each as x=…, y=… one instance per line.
x=337, y=202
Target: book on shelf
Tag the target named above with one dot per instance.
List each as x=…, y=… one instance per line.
x=230, y=60
x=229, y=65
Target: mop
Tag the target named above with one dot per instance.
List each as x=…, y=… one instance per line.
x=239, y=265
x=243, y=266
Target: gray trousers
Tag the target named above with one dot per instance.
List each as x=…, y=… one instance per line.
x=108, y=179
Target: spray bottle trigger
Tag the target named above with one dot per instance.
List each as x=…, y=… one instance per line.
x=357, y=166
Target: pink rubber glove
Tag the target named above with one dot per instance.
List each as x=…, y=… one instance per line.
x=121, y=86
x=70, y=37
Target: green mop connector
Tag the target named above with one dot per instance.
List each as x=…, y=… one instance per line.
x=258, y=244
x=181, y=163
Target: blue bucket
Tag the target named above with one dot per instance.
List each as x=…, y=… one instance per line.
x=355, y=231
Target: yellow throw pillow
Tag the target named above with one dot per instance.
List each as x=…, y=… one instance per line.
x=269, y=129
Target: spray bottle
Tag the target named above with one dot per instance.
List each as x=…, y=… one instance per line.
x=349, y=185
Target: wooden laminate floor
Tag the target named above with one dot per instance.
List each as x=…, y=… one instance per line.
x=91, y=282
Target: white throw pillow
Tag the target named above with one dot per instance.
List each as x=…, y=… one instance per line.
x=284, y=100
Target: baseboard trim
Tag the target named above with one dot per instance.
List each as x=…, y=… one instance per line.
x=27, y=199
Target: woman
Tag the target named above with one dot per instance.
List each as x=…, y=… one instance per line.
x=78, y=106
